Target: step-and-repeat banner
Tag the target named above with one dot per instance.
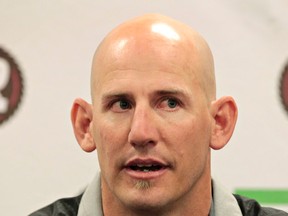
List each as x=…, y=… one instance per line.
x=46, y=49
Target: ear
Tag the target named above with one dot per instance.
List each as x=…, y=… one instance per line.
x=81, y=117
x=224, y=111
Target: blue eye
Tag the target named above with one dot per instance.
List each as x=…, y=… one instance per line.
x=169, y=104
x=172, y=103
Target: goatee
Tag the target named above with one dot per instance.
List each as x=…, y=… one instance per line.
x=142, y=185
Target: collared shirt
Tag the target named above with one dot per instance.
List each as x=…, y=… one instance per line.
x=223, y=204
x=91, y=202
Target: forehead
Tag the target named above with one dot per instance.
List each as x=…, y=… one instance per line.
x=145, y=57
x=149, y=79
x=140, y=52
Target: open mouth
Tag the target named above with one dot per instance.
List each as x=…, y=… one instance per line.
x=146, y=168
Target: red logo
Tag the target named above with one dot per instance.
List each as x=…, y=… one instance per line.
x=11, y=86
x=284, y=87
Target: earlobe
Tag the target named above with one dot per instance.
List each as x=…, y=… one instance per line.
x=81, y=117
x=224, y=112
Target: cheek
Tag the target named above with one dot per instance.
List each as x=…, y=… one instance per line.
x=108, y=139
x=191, y=150
x=190, y=138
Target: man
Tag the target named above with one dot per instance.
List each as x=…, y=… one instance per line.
x=154, y=118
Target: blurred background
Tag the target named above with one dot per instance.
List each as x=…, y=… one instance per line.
x=46, y=48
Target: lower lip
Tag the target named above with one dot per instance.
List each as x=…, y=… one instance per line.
x=145, y=175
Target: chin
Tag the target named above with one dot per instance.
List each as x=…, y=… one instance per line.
x=146, y=197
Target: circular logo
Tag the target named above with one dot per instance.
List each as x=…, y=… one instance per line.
x=284, y=87
x=11, y=86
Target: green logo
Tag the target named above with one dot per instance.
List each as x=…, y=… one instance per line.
x=266, y=196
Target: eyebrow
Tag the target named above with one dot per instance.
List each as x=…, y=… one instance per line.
x=114, y=95
x=172, y=92
x=111, y=95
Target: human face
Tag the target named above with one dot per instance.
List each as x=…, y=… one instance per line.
x=152, y=129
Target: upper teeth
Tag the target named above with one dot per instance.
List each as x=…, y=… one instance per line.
x=142, y=165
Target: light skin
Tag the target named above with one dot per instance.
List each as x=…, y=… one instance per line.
x=154, y=118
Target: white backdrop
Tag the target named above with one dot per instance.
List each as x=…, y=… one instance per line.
x=53, y=42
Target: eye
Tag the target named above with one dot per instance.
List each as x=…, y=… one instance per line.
x=172, y=103
x=120, y=105
x=169, y=104
x=124, y=104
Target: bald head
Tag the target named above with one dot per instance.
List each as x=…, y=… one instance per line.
x=149, y=38
x=153, y=101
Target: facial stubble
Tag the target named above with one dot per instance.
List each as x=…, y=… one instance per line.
x=142, y=185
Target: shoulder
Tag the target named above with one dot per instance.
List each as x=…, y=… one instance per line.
x=65, y=206
x=250, y=207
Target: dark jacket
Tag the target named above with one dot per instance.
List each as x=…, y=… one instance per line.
x=69, y=207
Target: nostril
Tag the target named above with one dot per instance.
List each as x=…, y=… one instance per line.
x=143, y=143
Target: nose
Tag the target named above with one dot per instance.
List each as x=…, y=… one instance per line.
x=143, y=131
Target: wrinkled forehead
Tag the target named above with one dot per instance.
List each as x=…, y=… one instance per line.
x=146, y=42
